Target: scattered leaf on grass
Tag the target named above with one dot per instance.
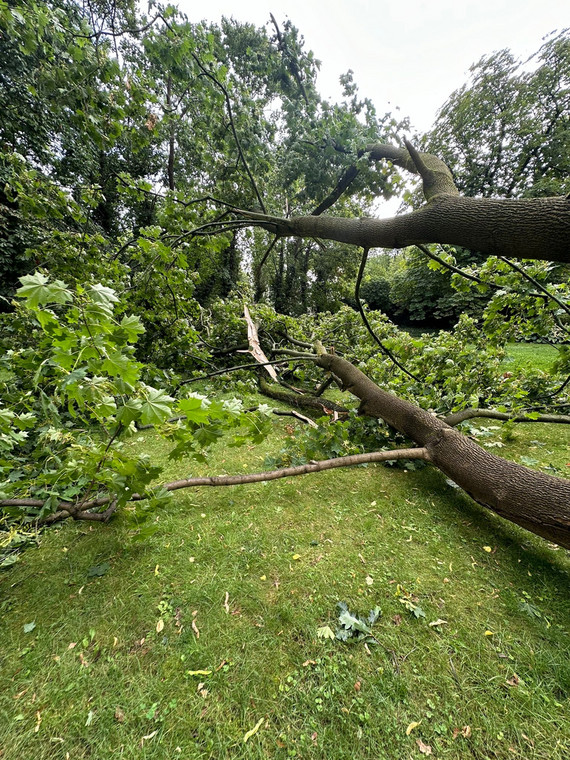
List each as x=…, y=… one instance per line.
x=119, y=715
x=425, y=749
x=198, y=672
x=98, y=570
x=369, y=580
x=438, y=622
x=413, y=724
x=296, y=556
x=226, y=603
x=325, y=632
x=489, y=633
x=514, y=681
x=160, y=625
x=252, y=731
x=194, y=626
x=29, y=627
x=90, y=716
x=487, y=549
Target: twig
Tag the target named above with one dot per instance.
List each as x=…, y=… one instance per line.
x=385, y=350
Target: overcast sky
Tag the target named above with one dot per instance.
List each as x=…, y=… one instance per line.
x=406, y=53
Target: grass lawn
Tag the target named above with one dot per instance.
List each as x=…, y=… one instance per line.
x=180, y=646
x=531, y=355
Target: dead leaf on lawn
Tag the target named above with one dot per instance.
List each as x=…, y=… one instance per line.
x=466, y=732
x=425, y=749
x=413, y=724
x=160, y=626
x=119, y=715
x=514, y=681
x=226, y=603
x=397, y=619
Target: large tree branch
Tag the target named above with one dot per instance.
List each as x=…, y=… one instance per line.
x=532, y=228
x=538, y=502
x=67, y=510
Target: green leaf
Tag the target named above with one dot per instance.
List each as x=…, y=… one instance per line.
x=325, y=632
x=98, y=570
x=193, y=409
x=156, y=408
x=29, y=627
x=119, y=365
x=34, y=289
x=350, y=621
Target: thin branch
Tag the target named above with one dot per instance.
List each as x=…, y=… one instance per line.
x=383, y=348
x=352, y=460
x=454, y=269
x=467, y=414
x=217, y=82
x=254, y=365
x=536, y=284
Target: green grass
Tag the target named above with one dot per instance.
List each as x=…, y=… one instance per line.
x=96, y=675
x=531, y=355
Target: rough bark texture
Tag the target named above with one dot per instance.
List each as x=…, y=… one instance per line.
x=529, y=228
x=538, y=502
x=321, y=405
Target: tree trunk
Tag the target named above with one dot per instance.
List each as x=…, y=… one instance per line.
x=538, y=502
x=530, y=228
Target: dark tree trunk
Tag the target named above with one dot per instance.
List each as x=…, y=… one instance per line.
x=538, y=502
x=171, y=136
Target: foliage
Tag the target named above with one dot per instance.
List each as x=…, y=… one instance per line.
x=75, y=392
x=505, y=133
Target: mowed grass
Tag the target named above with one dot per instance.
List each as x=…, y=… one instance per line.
x=531, y=356
x=187, y=642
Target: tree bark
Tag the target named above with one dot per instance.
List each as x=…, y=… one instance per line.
x=527, y=228
x=538, y=502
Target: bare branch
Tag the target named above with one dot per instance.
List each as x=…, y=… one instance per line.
x=383, y=348
x=467, y=414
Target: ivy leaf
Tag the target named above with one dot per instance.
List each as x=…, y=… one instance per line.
x=156, y=408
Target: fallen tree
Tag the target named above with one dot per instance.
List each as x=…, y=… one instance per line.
x=535, y=228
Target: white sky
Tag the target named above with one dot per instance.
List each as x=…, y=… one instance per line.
x=406, y=53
